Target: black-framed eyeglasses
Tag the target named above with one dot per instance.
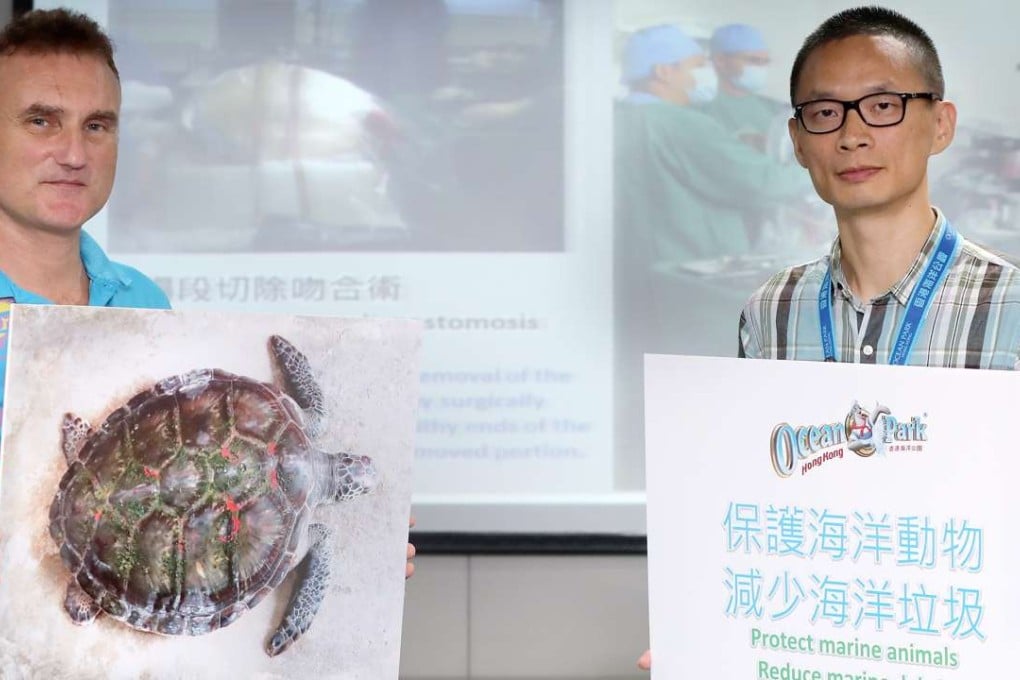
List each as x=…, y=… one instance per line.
x=882, y=109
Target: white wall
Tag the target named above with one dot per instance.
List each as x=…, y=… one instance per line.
x=524, y=618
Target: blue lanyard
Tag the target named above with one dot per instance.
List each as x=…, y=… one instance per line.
x=917, y=306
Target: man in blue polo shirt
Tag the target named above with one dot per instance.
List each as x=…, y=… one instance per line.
x=59, y=109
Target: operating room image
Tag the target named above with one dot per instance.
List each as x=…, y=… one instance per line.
x=707, y=194
x=348, y=125
x=709, y=198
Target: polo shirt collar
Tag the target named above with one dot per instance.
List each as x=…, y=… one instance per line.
x=902, y=289
x=97, y=265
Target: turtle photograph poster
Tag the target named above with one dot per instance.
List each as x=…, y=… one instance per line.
x=821, y=521
x=190, y=495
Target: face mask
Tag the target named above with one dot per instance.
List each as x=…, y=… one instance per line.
x=753, y=79
x=706, y=84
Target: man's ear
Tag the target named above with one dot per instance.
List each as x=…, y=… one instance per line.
x=945, y=126
x=794, y=129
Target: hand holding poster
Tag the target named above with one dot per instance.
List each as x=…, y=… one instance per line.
x=204, y=496
x=812, y=521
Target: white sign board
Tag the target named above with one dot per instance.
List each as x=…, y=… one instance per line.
x=813, y=521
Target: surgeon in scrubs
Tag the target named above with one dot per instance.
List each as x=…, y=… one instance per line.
x=683, y=186
x=683, y=181
x=741, y=60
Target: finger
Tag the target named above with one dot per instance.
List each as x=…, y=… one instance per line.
x=409, y=568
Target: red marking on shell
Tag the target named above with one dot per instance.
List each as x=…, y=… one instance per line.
x=152, y=473
x=97, y=515
x=274, y=481
x=235, y=520
x=271, y=448
x=225, y=452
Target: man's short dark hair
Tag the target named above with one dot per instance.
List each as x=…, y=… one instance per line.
x=876, y=21
x=57, y=31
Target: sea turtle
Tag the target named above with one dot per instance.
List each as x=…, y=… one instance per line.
x=194, y=500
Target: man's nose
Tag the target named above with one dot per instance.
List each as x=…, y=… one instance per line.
x=71, y=149
x=855, y=133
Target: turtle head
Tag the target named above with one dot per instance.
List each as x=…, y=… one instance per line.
x=352, y=476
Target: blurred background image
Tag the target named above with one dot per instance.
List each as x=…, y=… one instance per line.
x=709, y=199
x=300, y=125
x=556, y=187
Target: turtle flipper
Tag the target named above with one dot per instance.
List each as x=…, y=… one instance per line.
x=80, y=607
x=299, y=382
x=308, y=592
x=74, y=430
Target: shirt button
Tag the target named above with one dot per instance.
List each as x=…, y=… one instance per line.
x=868, y=350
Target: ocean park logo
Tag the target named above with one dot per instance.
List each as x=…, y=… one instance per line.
x=863, y=432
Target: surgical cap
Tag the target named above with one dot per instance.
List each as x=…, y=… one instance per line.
x=737, y=38
x=656, y=45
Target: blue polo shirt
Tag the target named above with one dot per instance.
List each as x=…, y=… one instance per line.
x=110, y=285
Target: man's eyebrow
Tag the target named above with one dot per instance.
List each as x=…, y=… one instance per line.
x=105, y=116
x=47, y=110
x=812, y=95
x=38, y=109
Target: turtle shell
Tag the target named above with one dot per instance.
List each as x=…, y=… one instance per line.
x=188, y=504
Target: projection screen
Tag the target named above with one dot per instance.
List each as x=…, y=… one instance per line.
x=454, y=162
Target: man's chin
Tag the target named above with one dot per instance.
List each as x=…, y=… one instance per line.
x=55, y=227
x=63, y=221
x=857, y=202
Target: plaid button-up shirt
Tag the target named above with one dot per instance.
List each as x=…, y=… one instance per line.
x=973, y=322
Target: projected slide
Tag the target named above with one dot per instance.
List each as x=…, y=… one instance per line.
x=386, y=159
x=479, y=165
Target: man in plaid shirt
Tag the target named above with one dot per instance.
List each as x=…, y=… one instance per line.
x=899, y=285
